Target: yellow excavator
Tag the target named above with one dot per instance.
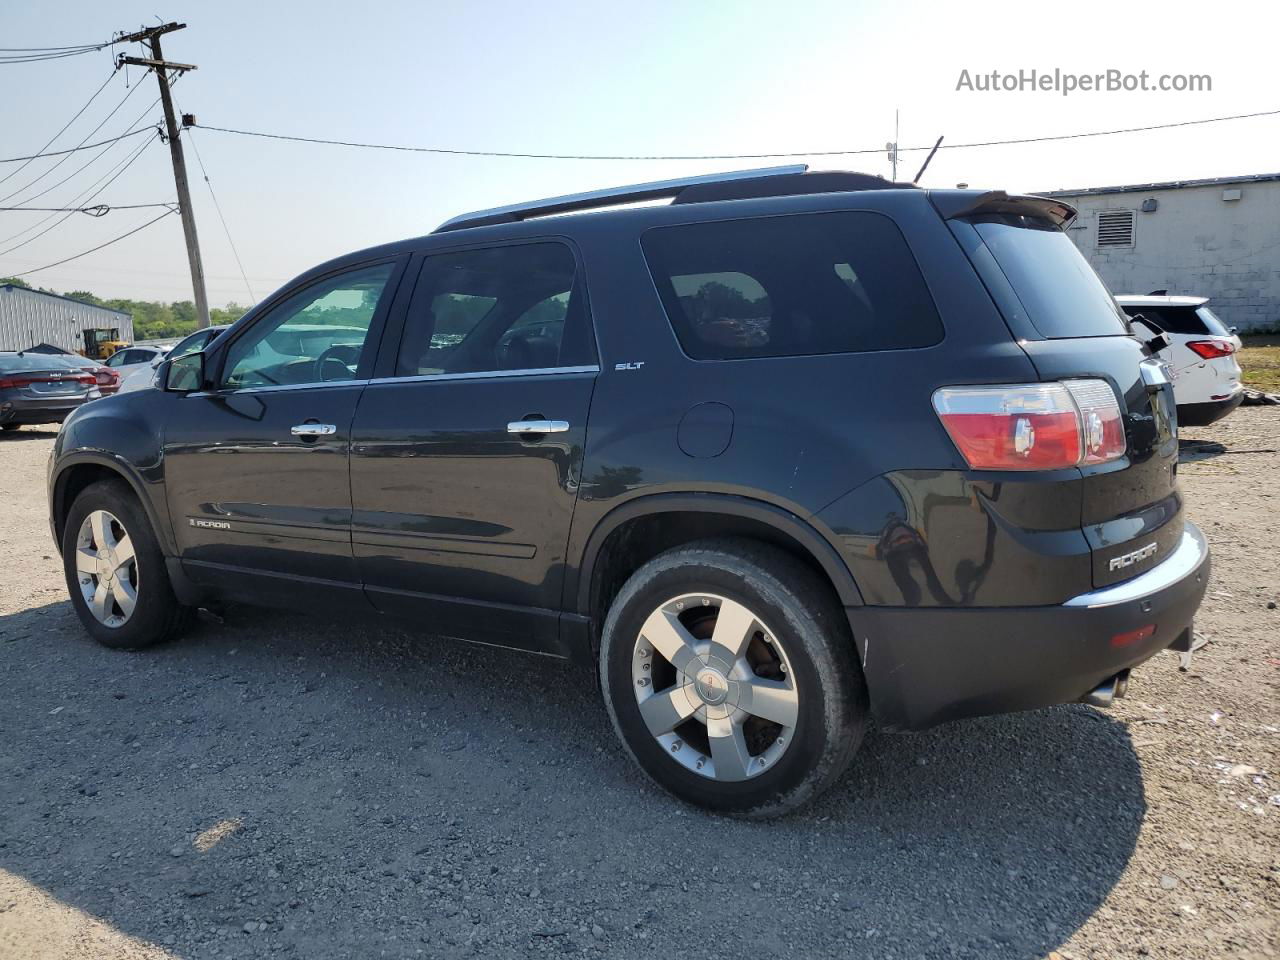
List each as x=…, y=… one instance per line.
x=102, y=343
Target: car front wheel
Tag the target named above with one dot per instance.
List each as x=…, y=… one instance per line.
x=729, y=673
x=115, y=571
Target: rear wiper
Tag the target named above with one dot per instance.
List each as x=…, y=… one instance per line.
x=1157, y=342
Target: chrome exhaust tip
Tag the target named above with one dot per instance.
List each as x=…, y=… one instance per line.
x=1109, y=691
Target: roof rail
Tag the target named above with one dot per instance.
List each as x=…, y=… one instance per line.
x=607, y=197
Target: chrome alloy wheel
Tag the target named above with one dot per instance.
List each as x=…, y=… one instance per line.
x=106, y=568
x=715, y=687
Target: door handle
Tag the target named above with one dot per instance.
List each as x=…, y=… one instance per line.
x=313, y=429
x=537, y=426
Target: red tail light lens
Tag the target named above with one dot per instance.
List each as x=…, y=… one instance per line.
x=105, y=376
x=1035, y=426
x=1212, y=349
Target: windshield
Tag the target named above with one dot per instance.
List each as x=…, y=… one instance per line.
x=1052, y=284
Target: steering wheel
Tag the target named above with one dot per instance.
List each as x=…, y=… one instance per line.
x=336, y=362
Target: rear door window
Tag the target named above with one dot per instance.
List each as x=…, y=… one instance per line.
x=498, y=309
x=1054, y=286
x=791, y=286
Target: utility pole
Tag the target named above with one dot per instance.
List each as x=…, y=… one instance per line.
x=892, y=148
x=151, y=37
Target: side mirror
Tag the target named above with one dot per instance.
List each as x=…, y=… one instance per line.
x=182, y=374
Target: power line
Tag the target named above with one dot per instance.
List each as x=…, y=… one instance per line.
x=52, y=55
x=97, y=210
x=88, y=163
x=726, y=156
x=225, y=229
x=85, y=146
x=114, y=173
x=65, y=157
x=74, y=118
x=69, y=46
x=49, y=266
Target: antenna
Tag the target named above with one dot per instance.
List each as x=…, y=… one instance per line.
x=926, y=161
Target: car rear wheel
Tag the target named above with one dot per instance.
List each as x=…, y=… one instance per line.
x=729, y=673
x=115, y=571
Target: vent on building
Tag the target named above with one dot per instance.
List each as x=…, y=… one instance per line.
x=1115, y=228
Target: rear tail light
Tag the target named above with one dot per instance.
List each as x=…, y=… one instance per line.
x=105, y=376
x=1034, y=426
x=1212, y=349
x=8, y=383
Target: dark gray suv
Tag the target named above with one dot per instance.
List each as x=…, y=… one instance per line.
x=789, y=453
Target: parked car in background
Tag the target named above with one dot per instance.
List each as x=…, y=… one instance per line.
x=1202, y=352
x=131, y=359
x=41, y=388
x=842, y=450
x=108, y=379
x=143, y=376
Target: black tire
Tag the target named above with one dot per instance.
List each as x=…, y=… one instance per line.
x=157, y=616
x=809, y=624
x=10, y=426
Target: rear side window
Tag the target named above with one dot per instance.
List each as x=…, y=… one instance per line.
x=790, y=286
x=509, y=308
x=1055, y=288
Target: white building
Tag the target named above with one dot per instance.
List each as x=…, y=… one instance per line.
x=31, y=317
x=1215, y=238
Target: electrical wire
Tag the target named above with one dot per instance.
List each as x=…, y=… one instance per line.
x=49, y=266
x=132, y=90
x=97, y=210
x=91, y=161
x=86, y=146
x=41, y=57
x=74, y=118
x=225, y=229
x=69, y=46
x=114, y=174
x=727, y=156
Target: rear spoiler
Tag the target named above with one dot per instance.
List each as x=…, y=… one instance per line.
x=958, y=204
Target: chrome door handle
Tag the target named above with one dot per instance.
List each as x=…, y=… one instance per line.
x=313, y=429
x=537, y=426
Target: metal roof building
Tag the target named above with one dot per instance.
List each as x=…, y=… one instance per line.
x=29, y=317
x=1216, y=238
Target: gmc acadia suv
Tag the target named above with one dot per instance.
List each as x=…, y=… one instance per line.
x=791, y=452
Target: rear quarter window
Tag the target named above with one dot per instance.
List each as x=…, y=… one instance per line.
x=790, y=286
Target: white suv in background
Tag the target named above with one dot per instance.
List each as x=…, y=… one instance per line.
x=1202, y=352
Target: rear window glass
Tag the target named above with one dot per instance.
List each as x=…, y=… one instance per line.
x=1187, y=320
x=790, y=286
x=13, y=363
x=1060, y=293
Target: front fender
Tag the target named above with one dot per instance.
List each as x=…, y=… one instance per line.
x=110, y=435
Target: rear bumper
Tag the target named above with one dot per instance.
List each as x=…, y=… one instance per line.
x=36, y=413
x=1203, y=414
x=928, y=665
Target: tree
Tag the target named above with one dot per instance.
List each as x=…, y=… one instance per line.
x=14, y=282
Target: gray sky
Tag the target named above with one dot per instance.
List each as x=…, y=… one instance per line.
x=558, y=77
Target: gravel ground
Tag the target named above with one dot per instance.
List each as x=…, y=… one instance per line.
x=278, y=785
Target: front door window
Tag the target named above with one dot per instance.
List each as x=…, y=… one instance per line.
x=317, y=335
